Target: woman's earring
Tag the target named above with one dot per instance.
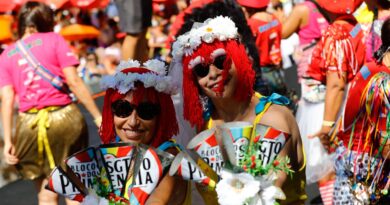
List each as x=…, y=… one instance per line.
x=207, y=106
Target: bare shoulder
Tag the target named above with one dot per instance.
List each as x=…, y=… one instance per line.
x=300, y=11
x=301, y=8
x=281, y=118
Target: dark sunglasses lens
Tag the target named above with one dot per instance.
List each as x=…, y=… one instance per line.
x=122, y=108
x=147, y=111
x=219, y=61
x=201, y=70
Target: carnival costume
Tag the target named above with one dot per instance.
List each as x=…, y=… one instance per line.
x=49, y=126
x=339, y=38
x=362, y=170
x=340, y=50
x=272, y=142
x=202, y=45
x=124, y=173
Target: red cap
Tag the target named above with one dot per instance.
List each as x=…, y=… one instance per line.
x=340, y=6
x=254, y=3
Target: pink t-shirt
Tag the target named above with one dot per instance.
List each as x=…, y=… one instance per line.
x=316, y=26
x=51, y=50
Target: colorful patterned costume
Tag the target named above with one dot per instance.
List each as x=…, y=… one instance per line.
x=341, y=50
x=361, y=162
x=194, y=52
x=49, y=126
x=294, y=188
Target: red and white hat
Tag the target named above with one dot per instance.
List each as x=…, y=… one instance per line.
x=254, y=3
x=340, y=6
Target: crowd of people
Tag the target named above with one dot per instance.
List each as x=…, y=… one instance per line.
x=172, y=69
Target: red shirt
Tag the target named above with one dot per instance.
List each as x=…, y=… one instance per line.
x=341, y=49
x=360, y=140
x=268, y=38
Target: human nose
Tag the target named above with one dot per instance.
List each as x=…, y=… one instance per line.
x=214, y=72
x=133, y=120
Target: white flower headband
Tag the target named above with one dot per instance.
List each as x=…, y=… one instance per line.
x=220, y=27
x=124, y=82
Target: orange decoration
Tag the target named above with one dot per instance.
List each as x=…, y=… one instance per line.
x=76, y=32
x=5, y=28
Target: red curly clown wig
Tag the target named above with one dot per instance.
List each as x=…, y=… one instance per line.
x=167, y=125
x=193, y=109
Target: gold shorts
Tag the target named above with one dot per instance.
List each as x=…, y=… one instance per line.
x=67, y=134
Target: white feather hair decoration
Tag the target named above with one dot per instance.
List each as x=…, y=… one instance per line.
x=157, y=78
x=220, y=28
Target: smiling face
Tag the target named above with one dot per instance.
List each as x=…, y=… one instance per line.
x=135, y=128
x=234, y=78
x=216, y=73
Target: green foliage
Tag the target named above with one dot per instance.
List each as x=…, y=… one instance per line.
x=253, y=164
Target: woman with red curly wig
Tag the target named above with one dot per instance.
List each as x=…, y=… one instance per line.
x=218, y=88
x=138, y=109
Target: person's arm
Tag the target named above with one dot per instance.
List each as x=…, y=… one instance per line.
x=82, y=93
x=335, y=89
x=7, y=100
x=298, y=16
